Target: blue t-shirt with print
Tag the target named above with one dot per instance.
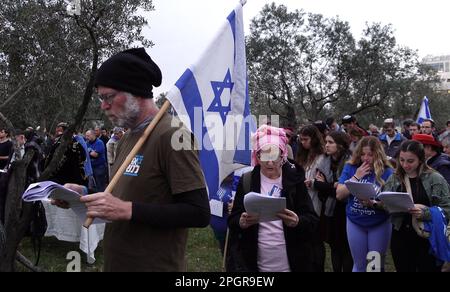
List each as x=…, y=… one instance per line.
x=356, y=212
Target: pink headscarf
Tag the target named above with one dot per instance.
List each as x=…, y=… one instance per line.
x=267, y=135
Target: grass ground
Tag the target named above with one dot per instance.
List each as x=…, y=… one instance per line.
x=203, y=254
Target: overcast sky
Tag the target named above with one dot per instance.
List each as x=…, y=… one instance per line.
x=181, y=29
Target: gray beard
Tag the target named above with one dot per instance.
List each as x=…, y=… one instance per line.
x=130, y=115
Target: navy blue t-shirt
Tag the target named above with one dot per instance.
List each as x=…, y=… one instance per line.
x=356, y=212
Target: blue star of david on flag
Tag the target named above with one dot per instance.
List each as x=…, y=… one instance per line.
x=218, y=88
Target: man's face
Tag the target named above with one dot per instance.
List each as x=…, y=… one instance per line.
x=428, y=151
x=123, y=111
x=104, y=133
x=334, y=127
x=448, y=127
x=374, y=130
x=446, y=148
x=90, y=136
x=389, y=130
x=349, y=126
x=97, y=132
x=20, y=140
x=414, y=130
x=427, y=128
x=59, y=131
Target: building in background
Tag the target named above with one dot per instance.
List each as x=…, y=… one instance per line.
x=442, y=65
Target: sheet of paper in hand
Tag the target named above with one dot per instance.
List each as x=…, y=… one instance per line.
x=362, y=191
x=396, y=202
x=47, y=190
x=266, y=207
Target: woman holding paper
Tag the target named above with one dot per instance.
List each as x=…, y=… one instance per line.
x=427, y=188
x=283, y=245
x=368, y=226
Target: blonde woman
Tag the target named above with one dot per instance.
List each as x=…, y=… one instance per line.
x=368, y=226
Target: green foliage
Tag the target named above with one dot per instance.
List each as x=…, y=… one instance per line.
x=305, y=67
x=41, y=42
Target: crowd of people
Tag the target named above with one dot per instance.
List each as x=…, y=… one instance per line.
x=163, y=192
x=86, y=160
x=414, y=161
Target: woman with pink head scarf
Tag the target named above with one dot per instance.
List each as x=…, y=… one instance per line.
x=282, y=245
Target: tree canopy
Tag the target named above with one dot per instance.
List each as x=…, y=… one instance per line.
x=305, y=67
x=49, y=54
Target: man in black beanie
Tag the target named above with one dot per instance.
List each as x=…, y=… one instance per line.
x=162, y=192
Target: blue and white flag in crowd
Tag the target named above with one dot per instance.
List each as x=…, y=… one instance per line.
x=211, y=99
x=425, y=113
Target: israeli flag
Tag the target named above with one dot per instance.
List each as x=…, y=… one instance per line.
x=425, y=113
x=211, y=99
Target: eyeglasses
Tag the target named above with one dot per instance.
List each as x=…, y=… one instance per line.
x=108, y=98
x=269, y=158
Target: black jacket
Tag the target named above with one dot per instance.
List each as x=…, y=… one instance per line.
x=298, y=239
x=441, y=163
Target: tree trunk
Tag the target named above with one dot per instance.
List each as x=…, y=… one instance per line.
x=17, y=213
x=292, y=118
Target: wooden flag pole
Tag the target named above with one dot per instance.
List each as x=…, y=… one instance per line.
x=132, y=154
x=225, y=251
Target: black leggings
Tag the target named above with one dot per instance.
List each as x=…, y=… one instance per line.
x=341, y=258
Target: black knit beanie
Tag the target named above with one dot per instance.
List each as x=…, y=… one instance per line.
x=130, y=71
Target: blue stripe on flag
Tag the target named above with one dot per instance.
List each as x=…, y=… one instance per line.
x=427, y=109
x=243, y=151
x=232, y=19
x=192, y=99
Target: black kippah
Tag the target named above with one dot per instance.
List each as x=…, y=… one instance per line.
x=131, y=71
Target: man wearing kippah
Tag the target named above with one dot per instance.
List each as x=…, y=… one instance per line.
x=162, y=192
x=391, y=139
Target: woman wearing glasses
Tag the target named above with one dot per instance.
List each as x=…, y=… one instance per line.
x=283, y=245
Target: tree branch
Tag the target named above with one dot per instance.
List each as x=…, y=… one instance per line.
x=275, y=111
x=24, y=85
x=366, y=107
x=8, y=123
x=27, y=263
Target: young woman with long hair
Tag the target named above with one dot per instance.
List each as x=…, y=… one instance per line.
x=368, y=227
x=310, y=155
x=334, y=219
x=427, y=188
